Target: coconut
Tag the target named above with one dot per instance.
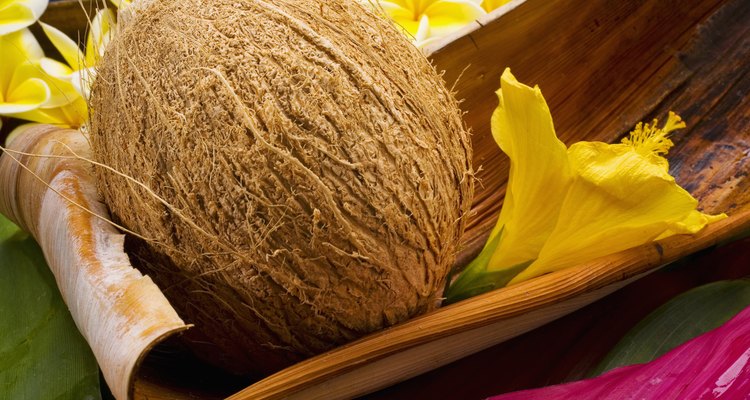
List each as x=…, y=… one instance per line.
x=297, y=171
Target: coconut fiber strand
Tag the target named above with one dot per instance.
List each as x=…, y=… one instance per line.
x=308, y=173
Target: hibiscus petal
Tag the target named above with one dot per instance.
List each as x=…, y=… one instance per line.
x=475, y=279
x=618, y=200
x=539, y=172
x=567, y=207
x=692, y=223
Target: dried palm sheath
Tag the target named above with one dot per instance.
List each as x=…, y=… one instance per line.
x=120, y=312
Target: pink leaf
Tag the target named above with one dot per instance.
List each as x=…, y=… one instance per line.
x=712, y=366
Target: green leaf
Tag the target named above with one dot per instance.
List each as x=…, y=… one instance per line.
x=683, y=318
x=42, y=354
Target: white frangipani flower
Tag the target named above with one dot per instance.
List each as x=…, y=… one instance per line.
x=80, y=68
x=428, y=20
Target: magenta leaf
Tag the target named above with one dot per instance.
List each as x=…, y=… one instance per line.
x=711, y=366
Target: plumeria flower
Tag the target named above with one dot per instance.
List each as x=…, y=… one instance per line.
x=18, y=14
x=72, y=114
x=21, y=87
x=27, y=92
x=428, y=20
x=121, y=3
x=566, y=206
x=490, y=5
x=80, y=69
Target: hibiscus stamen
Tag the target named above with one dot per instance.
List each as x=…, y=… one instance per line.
x=650, y=139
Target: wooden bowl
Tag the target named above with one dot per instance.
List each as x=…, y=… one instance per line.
x=603, y=66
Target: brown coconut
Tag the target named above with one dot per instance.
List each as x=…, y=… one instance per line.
x=308, y=173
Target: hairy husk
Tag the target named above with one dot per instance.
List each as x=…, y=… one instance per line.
x=308, y=173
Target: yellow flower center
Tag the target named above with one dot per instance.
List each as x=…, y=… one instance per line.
x=418, y=8
x=650, y=139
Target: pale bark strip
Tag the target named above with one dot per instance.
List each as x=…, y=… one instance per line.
x=121, y=313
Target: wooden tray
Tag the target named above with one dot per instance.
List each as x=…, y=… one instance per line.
x=603, y=66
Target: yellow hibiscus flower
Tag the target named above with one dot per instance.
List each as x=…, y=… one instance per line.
x=565, y=207
x=428, y=20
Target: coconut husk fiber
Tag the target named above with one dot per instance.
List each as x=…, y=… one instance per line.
x=297, y=169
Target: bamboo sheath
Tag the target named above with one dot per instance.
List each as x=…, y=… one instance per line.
x=120, y=312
